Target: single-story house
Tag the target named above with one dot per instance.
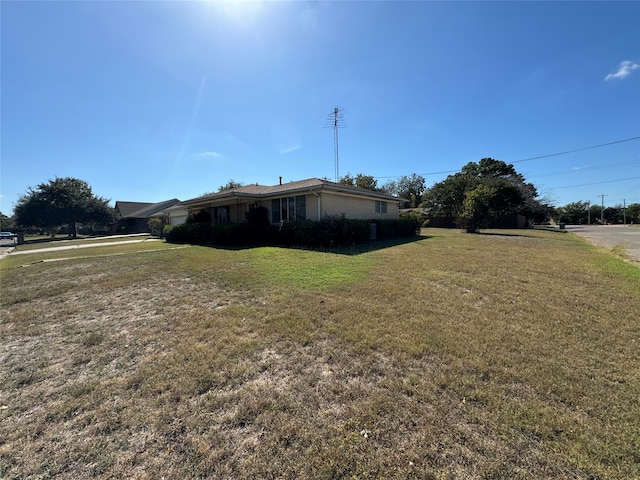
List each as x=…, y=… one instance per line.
x=135, y=216
x=177, y=214
x=311, y=199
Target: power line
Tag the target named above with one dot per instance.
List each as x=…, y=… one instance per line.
x=596, y=183
x=531, y=158
x=576, y=150
x=423, y=174
x=585, y=169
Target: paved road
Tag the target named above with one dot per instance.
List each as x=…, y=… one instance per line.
x=7, y=242
x=610, y=236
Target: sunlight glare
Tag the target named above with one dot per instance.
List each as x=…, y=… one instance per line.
x=242, y=12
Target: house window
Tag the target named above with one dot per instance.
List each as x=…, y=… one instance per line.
x=381, y=206
x=222, y=214
x=301, y=207
x=288, y=209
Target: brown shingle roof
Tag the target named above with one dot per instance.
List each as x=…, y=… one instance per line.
x=299, y=185
x=127, y=208
x=143, y=209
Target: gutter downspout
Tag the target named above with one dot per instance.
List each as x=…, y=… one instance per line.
x=318, y=197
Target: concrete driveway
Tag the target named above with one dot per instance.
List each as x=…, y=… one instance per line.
x=609, y=236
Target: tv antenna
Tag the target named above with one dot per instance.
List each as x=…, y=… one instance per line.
x=336, y=120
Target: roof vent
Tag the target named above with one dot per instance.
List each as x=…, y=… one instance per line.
x=280, y=180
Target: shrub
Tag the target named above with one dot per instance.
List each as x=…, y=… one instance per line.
x=156, y=225
x=327, y=233
x=201, y=217
x=258, y=216
x=405, y=227
x=197, y=233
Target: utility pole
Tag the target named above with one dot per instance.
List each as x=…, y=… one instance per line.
x=588, y=212
x=624, y=211
x=602, y=210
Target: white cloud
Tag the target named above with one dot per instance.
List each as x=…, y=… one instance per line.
x=288, y=149
x=624, y=70
x=210, y=154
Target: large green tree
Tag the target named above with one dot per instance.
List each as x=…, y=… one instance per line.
x=366, y=182
x=490, y=199
x=633, y=213
x=62, y=201
x=508, y=189
x=408, y=188
x=574, y=213
x=6, y=223
x=231, y=184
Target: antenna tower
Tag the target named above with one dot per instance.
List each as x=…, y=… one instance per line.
x=336, y=120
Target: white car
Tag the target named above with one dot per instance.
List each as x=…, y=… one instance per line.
x=7, y=235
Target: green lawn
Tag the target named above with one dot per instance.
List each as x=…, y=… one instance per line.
x=512, y=354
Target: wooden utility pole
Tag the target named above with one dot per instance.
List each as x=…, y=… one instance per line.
x=602, y=210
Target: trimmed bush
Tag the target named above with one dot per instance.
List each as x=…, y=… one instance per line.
x=327, y=233
x=405, y=227
x=197, y=233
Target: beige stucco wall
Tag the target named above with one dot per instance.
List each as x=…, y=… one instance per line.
x=237, y=211
x=355, y=207
x=318, y=205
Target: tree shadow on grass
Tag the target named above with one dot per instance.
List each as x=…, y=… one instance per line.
x=358, y=249
x=376, y=245
x=522, y=233
x=500, y=234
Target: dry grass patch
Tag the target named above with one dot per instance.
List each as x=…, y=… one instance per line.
x=455, y=356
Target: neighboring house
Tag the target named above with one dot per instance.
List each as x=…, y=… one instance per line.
x=311, y=199
x=135, y=216
x=177, y=214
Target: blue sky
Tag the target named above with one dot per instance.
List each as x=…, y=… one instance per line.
x=153, y=100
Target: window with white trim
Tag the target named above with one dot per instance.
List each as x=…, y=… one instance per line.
x=381, y=206
x=288, y=209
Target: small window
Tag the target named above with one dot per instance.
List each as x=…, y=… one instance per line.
x=381, y=207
